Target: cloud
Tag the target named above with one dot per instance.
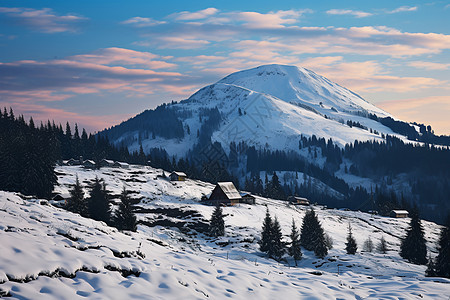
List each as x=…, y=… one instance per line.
x=201, y=14
x=42, y=20
x=121, y=56
x=403, y=9
x=356, y=13
x=427, y=65
x=142, y=22
x=277, y=19
x=181, y=42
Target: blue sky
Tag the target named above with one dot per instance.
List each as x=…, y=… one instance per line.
x=100, y=62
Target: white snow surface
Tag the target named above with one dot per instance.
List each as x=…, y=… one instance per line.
x=278, y=104
x=50, y=253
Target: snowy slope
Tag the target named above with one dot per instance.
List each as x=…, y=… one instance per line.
x=300, y=85
x=277, y=104
x=49, y=253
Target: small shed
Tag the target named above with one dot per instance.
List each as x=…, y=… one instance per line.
x=106, y=163
x=399, y=214
x=224, y=193
x=298, y=200
x=122, y=165
x=177, y=176
x=90, y=164
x=247, y=198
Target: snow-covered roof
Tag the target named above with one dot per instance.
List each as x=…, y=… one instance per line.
x=230, y=190
x=121, y=163
x=181, y=174
x=108, y=161
x=400, y=212
x=89, y=162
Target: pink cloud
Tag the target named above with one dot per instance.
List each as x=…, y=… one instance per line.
x=43, y=20
x=123, y=56
x=356, y=13
x=201, y=14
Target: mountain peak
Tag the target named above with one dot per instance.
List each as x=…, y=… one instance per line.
x=302, y=87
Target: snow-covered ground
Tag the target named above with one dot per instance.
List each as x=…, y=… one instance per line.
x=49, y=253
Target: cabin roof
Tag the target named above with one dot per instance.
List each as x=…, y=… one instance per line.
x=229, y=189
x=108, y=161
x=397, y=211
x=89, y=162
x=179, y=173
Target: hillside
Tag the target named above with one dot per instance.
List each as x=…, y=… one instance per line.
x=269, y=106
x=49, y=252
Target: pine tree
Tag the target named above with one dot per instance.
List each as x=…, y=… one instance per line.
x=266, y=237
x=217, y=224
x=312, y=236
x=307, y=230
x=443, y=258
x=295, y=250
x=124, y=218
x=76, y=203
x=382, y=246
x=351, y=245
x=276, y=247
x=413, y=247
x=431, y=268
x=368, y=245
x=98, y=202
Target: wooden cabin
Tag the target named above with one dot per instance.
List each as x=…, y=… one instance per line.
x=106, y=163
x=247, y=198
x=89, y=164
x=225, y=193
x=399, y=214
x=177, y=176
x=122, y=165
x=298, y=200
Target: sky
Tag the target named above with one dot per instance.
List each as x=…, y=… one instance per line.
x=97, y=63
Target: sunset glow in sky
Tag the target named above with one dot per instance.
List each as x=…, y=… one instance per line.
x=98, y=63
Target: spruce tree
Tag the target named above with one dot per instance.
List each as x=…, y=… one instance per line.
x=307, y=230
x=124, y=217
x=276, y=247
x=413, y=247
x=442, y=263
x=312, y=236
x=295, y=250
x=76, y=203
x=217, y=224
x=368, y=245
x=98, y=202
x=382, y=246
x=266, y=235
x=351, y=245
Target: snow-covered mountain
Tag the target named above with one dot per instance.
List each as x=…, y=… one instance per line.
x=50, y=253
x=269, y=106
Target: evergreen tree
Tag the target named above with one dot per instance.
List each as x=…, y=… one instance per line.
x=431, y=268
x=413, y=247
x=351, y=245
x=266, y=234
x=368, y=245
x=276, y=247
x=312, y=236
x=307, y=230
x=382, y=246
x=124, y=218
x=294, y=250
x=217, y=224
x=76, y=203
x=443, y=258
x=98, y=202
